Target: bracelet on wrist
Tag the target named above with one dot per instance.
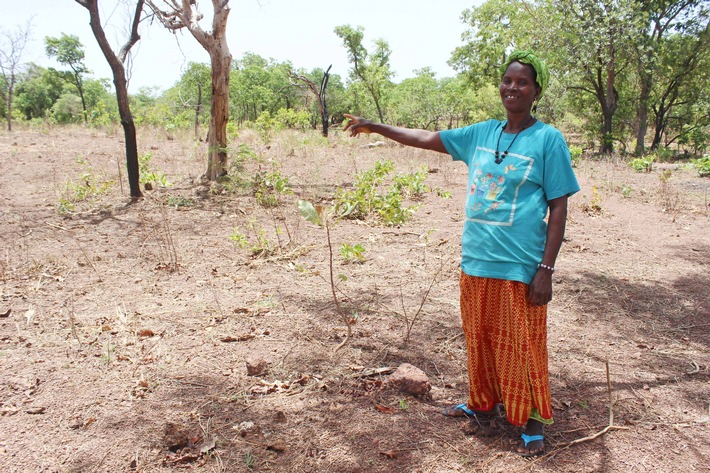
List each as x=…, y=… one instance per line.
x=544, y=266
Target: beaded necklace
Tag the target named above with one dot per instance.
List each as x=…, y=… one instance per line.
x=499, y=158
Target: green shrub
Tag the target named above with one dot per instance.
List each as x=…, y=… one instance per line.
x=368, y=197
x=642, y=164
x=269, y=187
x=576, y=154
x=148, y=176
x=702, y=166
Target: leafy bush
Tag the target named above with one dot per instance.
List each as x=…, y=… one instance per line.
x=367, y=197
x=148, y=177
x=354, y=252
x=642, y=164
x=87, y=188
x=269, y=187
x=576, y=154
x=290, y=118
x=702, y=166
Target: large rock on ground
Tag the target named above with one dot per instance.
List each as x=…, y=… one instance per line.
x=256, y=366
x=410, y=380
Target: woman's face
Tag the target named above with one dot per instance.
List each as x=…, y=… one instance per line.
x=518, y=89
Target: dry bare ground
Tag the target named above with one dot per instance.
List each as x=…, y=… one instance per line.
x=125, y=329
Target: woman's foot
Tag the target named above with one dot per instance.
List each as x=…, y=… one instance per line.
x=462, y=410
x=533, y=440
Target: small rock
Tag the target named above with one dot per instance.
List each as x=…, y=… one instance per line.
x=256, y=366
x=410, y=380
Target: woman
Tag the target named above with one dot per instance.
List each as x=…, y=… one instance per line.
x=519, y=169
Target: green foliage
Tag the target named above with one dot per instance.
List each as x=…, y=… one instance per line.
x=626, y=191
x=369, y=196
x=147, y=175
x=351, y=253
x=290, y=118
x=311, y=213
x=576, y=155
x=702, y=166
x=180, y=202
x=256, y=241
x=266, y=126
x=270, y=187
x=67, y=109
x=371, y=69
x=411, y=185
x=644, y=164
x=86, y=188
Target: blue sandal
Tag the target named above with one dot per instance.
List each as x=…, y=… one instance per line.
x=462, y=410
x=531, y=438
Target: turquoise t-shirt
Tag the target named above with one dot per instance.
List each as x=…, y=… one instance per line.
x=505, y=229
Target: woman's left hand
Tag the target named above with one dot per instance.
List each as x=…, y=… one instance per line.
x=540, y=289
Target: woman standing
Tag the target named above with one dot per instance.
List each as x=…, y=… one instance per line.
x=519, y=170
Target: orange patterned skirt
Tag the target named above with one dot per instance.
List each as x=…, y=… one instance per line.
x=506, y=341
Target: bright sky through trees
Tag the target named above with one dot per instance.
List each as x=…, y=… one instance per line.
x=421, y=33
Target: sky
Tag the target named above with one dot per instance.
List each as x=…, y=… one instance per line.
x=420, y=33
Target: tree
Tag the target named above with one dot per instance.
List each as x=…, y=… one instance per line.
x=12, y=45
x=117, y=64
x=683, y=83
x=664, y=18
x=373, y=71
x=186, y=14
x=192, y=90
x=69, y=51
x=591, y=41
x=37, y=91
x=319, y=93
x=496, y=28
x=418, y=102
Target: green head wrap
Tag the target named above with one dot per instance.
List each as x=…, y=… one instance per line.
x=528, y=57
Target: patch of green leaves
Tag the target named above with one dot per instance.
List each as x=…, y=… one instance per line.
x=371, y=196
x=148, y=176
x=702, y=166
x=86, y=188
x=352, y=253
x=576, y=155
x=270, y=187
x=644, y=164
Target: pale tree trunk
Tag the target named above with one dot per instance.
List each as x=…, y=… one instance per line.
x=185, y=14
x=12, y=46
x=644, y=97
x=219, y=116
x=121, y=85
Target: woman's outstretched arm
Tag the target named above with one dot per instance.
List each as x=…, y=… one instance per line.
x=423, y=139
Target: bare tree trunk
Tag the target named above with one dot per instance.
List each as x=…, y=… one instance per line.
x=221, y=60
x=198, y=110
x=643, y=116
x=320, y=96
x=185, y=14
x=121, y=86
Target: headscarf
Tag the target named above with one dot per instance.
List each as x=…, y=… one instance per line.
x=528, y=57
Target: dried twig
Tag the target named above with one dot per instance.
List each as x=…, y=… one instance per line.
x=606, y=429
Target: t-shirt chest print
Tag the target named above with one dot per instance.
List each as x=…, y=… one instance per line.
x=493, y=189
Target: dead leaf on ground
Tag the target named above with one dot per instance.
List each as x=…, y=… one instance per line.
x=145, y=333
x=5, y=314
x=385, y=409
x=207, y=445
x=239, y=338
x=391, y=454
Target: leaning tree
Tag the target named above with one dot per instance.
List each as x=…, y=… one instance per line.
x=319, y=93
x=186, y=14
x=117, y=63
